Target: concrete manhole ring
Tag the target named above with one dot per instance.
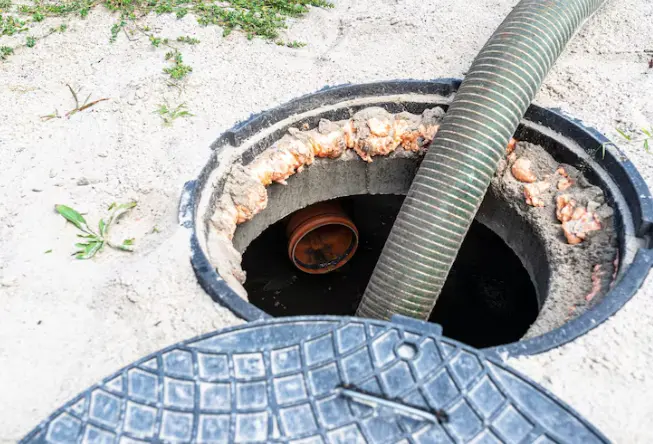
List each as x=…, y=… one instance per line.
x=568, y=141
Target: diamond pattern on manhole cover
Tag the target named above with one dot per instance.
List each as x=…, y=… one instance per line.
x=317, y=380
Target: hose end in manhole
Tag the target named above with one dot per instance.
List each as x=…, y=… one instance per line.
x=321, y=238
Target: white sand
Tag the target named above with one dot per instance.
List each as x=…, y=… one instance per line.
x=64, y=324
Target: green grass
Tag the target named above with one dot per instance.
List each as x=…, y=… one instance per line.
x=255, y=18
x=188, y=40
x=293, y=44
x=170, y=114
x=11, y=24
x=178, y=70
x=643, y=136
x=5, y=51
x=79, y=106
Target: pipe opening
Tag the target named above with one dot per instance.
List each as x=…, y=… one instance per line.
x=321, y=238
x=488, y=299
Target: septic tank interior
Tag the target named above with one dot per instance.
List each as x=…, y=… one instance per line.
x=60, y=333
x=481, y=305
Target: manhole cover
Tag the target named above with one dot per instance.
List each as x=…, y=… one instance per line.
x=316, y=380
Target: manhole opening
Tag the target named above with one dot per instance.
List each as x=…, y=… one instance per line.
x=577, y=286
x=488, y=299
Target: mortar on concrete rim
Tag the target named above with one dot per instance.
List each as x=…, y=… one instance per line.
x=569, y=143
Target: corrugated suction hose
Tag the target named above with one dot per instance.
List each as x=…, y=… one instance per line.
x=456, y=172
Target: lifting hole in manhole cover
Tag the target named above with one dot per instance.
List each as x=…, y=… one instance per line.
x=407, y=350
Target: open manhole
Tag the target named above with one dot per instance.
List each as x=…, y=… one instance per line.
x=517, y=285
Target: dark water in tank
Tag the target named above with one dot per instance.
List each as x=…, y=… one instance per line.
x=488, y=298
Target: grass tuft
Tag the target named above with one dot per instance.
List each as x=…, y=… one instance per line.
x=178, y=70
x=5, y=51
x=188, y=40
x=643, y=136
x=79, y=106
x=169, y=114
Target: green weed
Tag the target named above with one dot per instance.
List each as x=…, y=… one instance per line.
x=181, y=12
x=54, y=115
x=643, y=136
x=294, y=44
x=115, y=29
x=94, y=241
x=178, y=70
x=156, y=41
x=188, y=40
x=10, y=25
x=30, y=41
x=5, y=51
x=78, y=106
x=169, y=115
x=85, y=105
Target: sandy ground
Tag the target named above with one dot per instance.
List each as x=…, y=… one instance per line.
x=65, y=323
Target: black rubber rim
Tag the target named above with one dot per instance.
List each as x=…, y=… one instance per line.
x=622, y=171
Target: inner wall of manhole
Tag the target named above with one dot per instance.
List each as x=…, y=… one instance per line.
x=515, y=278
